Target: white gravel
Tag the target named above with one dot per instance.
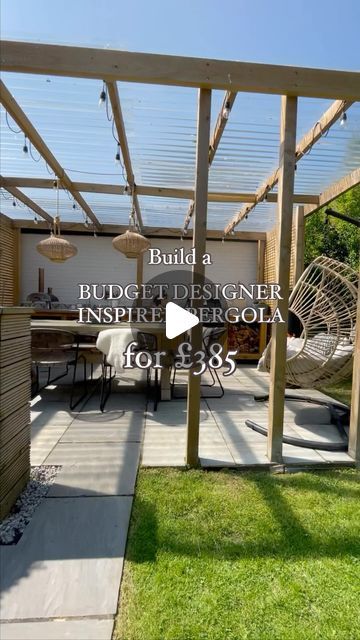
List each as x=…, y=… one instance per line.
x=13, y=526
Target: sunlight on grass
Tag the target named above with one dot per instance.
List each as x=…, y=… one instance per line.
x=233, y=556
x=340, y=391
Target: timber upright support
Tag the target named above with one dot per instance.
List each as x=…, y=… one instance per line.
x=354, y=432
x=299, y=242
x=198, y=272
x=282, y=271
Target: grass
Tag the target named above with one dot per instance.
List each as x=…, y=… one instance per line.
x=340, y=391
x=242, y=556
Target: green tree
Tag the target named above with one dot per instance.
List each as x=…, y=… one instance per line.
x=332, y=237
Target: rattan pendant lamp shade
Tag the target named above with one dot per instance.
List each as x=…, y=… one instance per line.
x=131, y=243
x=56, y=248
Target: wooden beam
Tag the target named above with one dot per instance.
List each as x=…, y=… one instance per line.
x=342, y=186
x=198, y=270
x=162, y=192
x=299, y=242
x=307, y=141
x=220, y=124
x=32, y=134
x=111, y=65
x=354, y=431
x=19, y=195
x=151, y=232
x=283, y=251
x=120, y=128
x=219, y=128
x=261, y=261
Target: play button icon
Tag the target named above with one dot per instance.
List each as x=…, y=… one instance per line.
x=178, y=320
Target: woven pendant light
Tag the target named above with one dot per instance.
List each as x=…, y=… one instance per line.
x=56, y=248
x=131, y=243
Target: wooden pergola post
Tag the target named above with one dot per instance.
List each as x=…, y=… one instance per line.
x=299, y=242
x=283, y=250
x=354, y=432
x=139, y=274
x=198, y=270
x=260, y=270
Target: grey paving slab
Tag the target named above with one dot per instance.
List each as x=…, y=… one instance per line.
x=253, y=455
x=230, y=401
x=335, y=456
x=320, y=432
x=163, y=455
x=43, y=443
x=68, y=562
x=215, y=455
x=118, y=401
x=84, y=629
x=95, y=469
x=46, y=415
x=299, y=455
x=128, y=427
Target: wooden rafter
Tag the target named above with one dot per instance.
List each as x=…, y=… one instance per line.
x=162, y=192
x=22, y=197
x=121, y=132
x=215, y=138
x=21, y=119
x=161, y=232
x=110, y=65
x=335, y=190
x=330, y=116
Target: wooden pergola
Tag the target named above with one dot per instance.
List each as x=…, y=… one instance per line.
x=205, y=75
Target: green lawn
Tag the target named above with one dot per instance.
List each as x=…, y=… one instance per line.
x=340, y=391
x=232, y=556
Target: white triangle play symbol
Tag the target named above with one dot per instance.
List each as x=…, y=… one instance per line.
x=178, y=320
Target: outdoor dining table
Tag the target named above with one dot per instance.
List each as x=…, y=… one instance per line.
x=156, y=328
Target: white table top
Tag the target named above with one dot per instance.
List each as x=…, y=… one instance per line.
x=92, y=328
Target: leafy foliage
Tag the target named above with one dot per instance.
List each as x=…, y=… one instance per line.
x=335, y=238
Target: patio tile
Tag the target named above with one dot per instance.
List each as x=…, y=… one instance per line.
x=249, y=456
x=230, y=401
x=118, y=402
x=85, y=629
x=101, y=428
x=215, y=454
x=43, y=442
x=336, y=456
x=95, y=469
x=163, y=455
x=68, y=562
x=300, y=455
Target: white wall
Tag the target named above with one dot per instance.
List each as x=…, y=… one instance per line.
x=98, y=262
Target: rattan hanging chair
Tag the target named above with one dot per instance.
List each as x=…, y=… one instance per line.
x=324, y=303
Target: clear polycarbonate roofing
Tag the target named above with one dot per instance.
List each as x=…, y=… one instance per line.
x=160, y=125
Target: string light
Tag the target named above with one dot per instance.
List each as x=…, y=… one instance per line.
x=128, y=190
x=102, y=97
x=25, y=147
x=36, y=221
x=118, y=157
x=226, y=110
x=343, y=119
x=14, y=203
